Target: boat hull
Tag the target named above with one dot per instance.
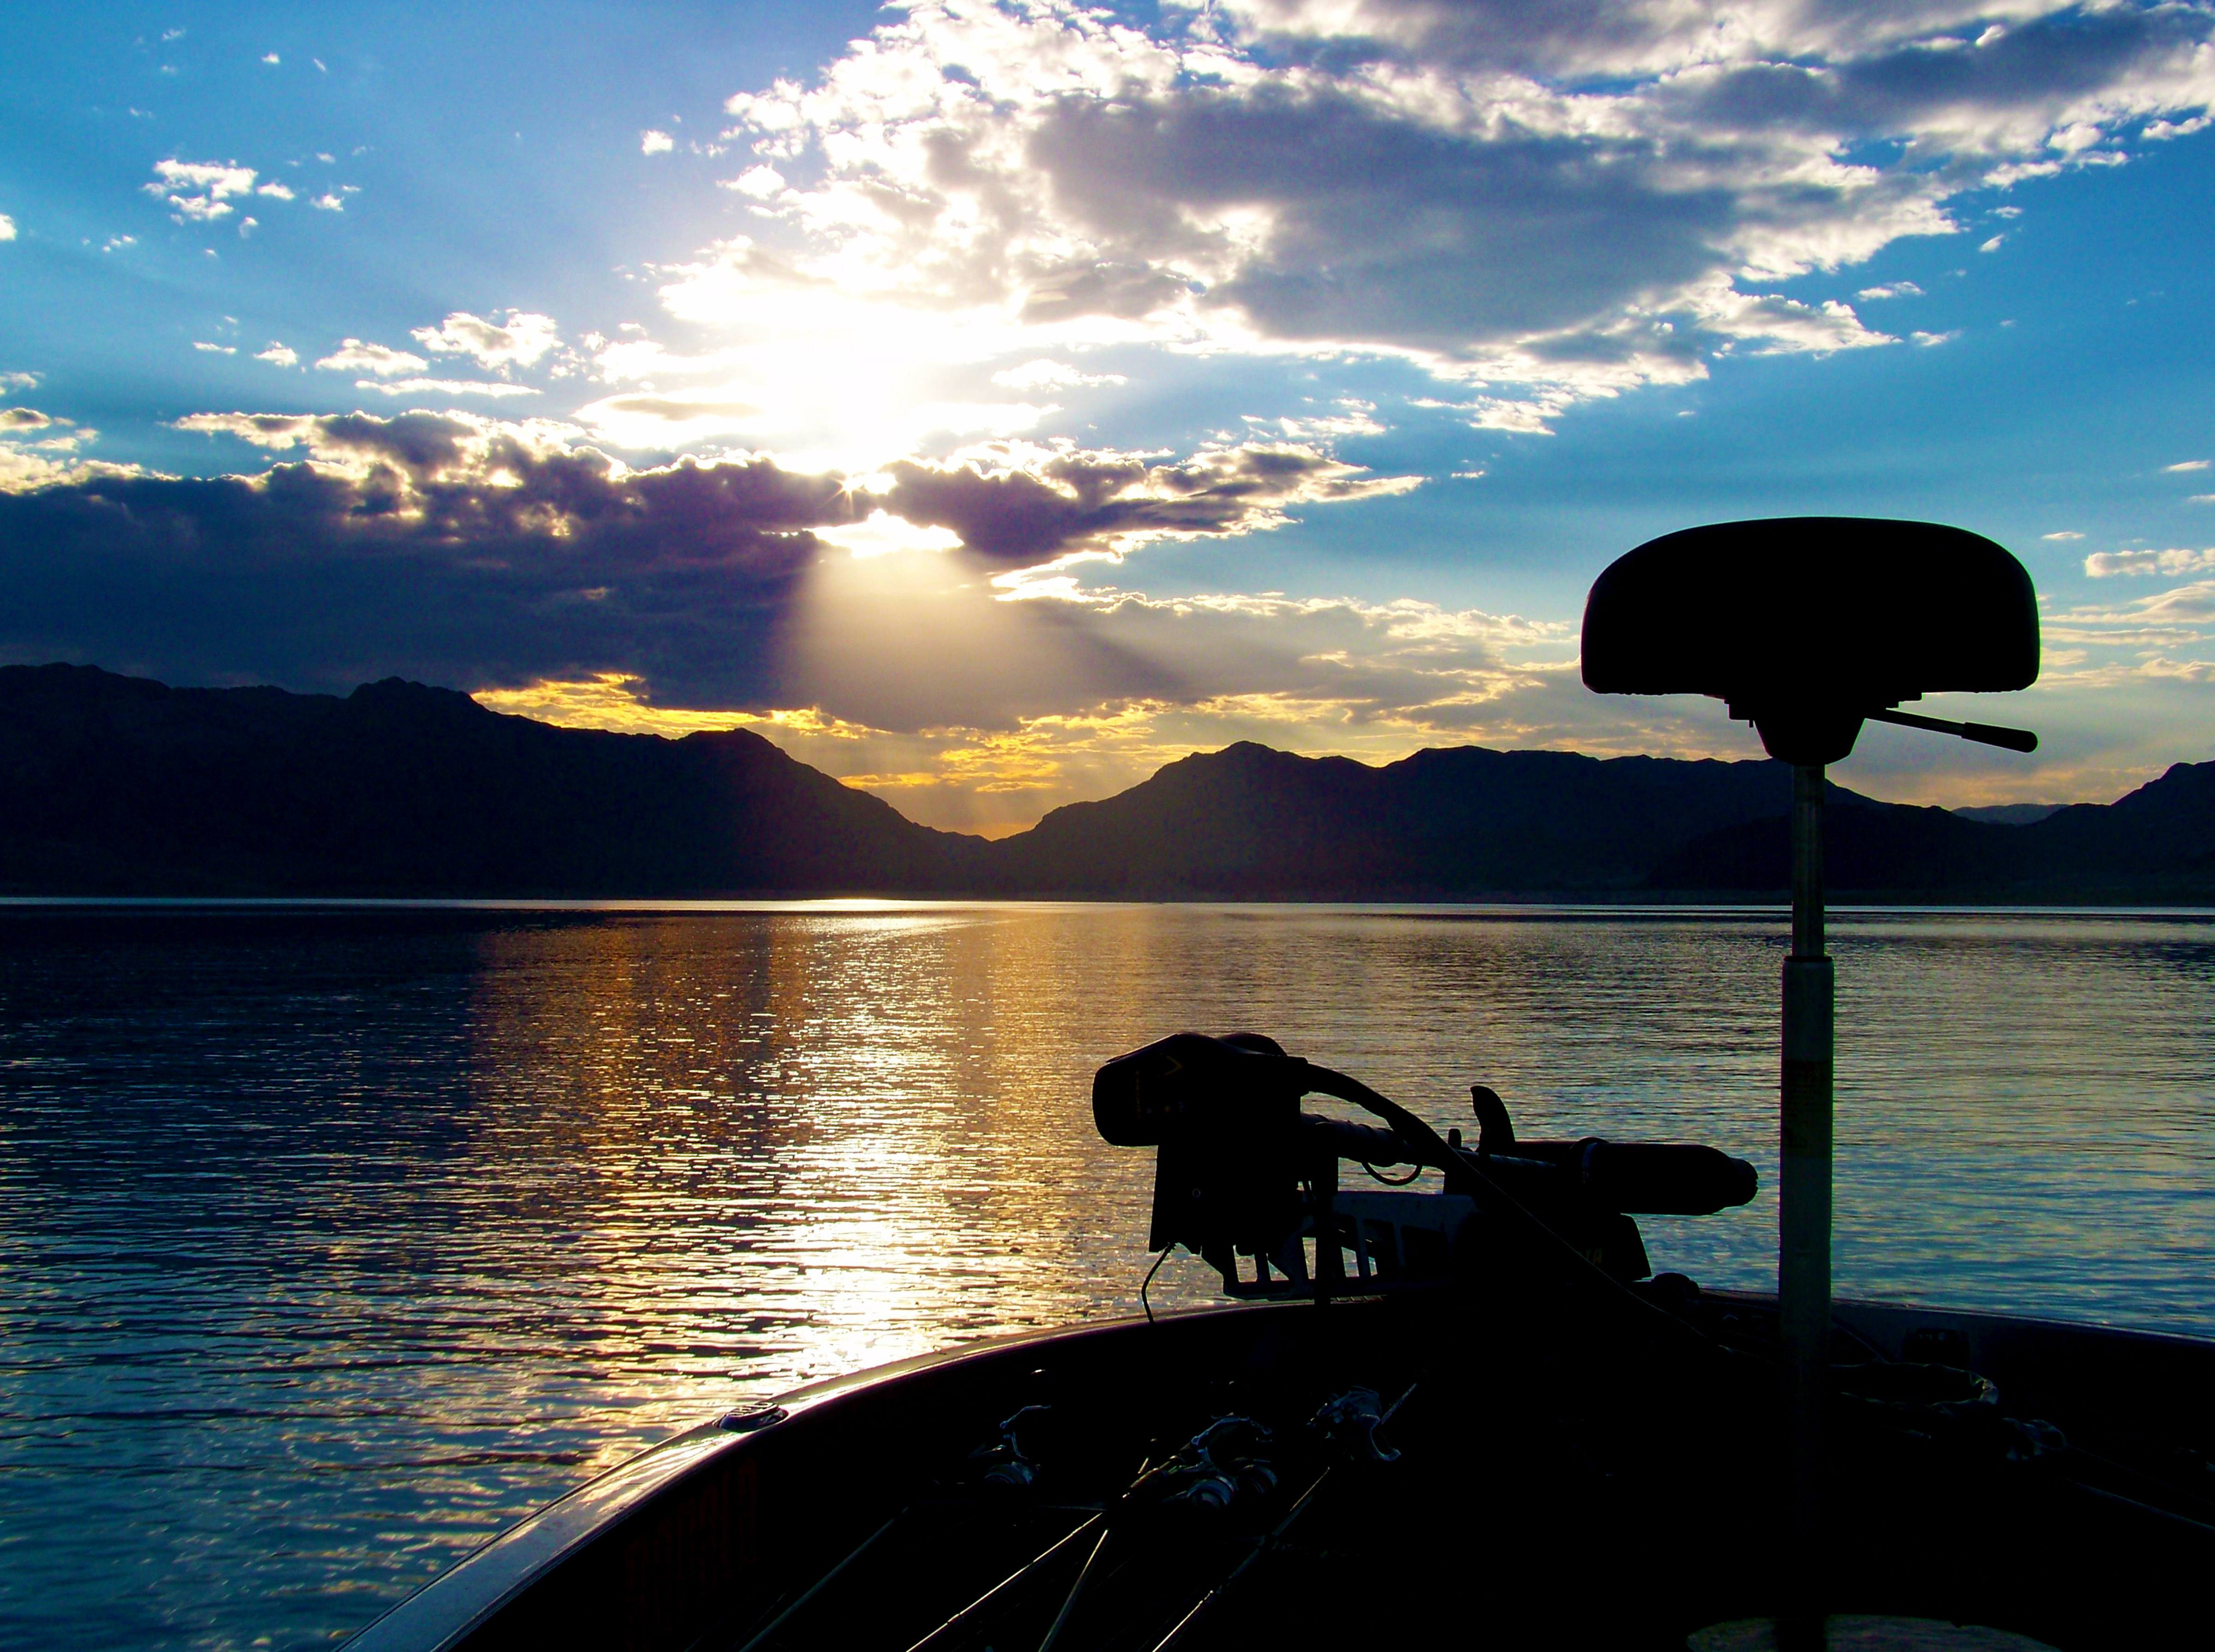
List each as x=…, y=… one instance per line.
x=1556, y=1485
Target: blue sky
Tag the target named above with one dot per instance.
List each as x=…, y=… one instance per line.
x=992, y=402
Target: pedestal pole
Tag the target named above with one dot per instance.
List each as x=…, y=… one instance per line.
x=1803, y=1271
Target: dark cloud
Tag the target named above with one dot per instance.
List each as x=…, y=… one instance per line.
x=1085, y=501
x=2037, y=67
x=1533, y=36
x=453, y=551
x=1387, y=227
x=1572, y=38
x=479, y=554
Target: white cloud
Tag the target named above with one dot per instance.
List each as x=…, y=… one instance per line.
x=215, y=349
x=655, y=142
x=441, y=386
x=37, y=449
x=330, y=202
x=2187, y=464
x=1993, y=245
x=114, y=242
x=353, y=356
x=1926, y=339
x=199, y=190
x=282, y=354
x=1777, y=324
x=517, y=342
x=2103, y=565
x=761, y=182
x=1045, y=375
x=2199, y=499
x=18, y=381
x=270, y=58
x=7, y=228
x=275, y=190
x=1890, y=290
x=2066, y=534
x=277, y=430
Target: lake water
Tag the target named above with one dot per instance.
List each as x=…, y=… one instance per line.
x=334, y=1241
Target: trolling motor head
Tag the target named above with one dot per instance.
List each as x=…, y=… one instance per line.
x=1808, y=625
x=1242, y=1171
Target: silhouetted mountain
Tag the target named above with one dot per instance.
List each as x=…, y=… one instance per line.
x=1465, y=822
x=112, y=785
x=117, y=785
x=2157, y=844
x=2009, y=814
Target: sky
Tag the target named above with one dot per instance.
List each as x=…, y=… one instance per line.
x=991, y=402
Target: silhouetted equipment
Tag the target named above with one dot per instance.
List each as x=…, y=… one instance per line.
x=1806, y=627
x=1241, y=1171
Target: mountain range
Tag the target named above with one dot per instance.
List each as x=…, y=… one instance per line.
x=117, y=785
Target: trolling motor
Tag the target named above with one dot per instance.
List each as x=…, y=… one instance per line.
x=1241, y=1171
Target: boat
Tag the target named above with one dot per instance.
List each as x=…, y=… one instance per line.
x=1476, y=1417
x=1451, y=1402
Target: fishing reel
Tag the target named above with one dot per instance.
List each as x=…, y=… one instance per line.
x=1241, y=1171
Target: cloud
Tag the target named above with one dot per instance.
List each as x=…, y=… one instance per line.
x=1045, y=375
x=199, y=190
x=215, y=349
x=1550, y=204
x=481, y=553
x=270, y=58
x=18, y=381
x=2102, y=565
x=1028, y=507
x=1890, y=290
x=655, y=142
x=452, y=548
x=275, y=190
x=7, y=228
x=761, y=182
x=37, y=449
x=648, y=419
x=353, y=356
x=2187, y=464
x=330, y=202
x=282, y=354
x=443, y=387
x=2065, y=533
x=276, y=431
x=517, y=342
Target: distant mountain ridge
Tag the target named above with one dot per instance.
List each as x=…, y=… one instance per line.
x=117, y=785
x=113, y=784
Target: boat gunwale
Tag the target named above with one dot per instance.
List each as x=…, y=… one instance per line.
x=445, y=1611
